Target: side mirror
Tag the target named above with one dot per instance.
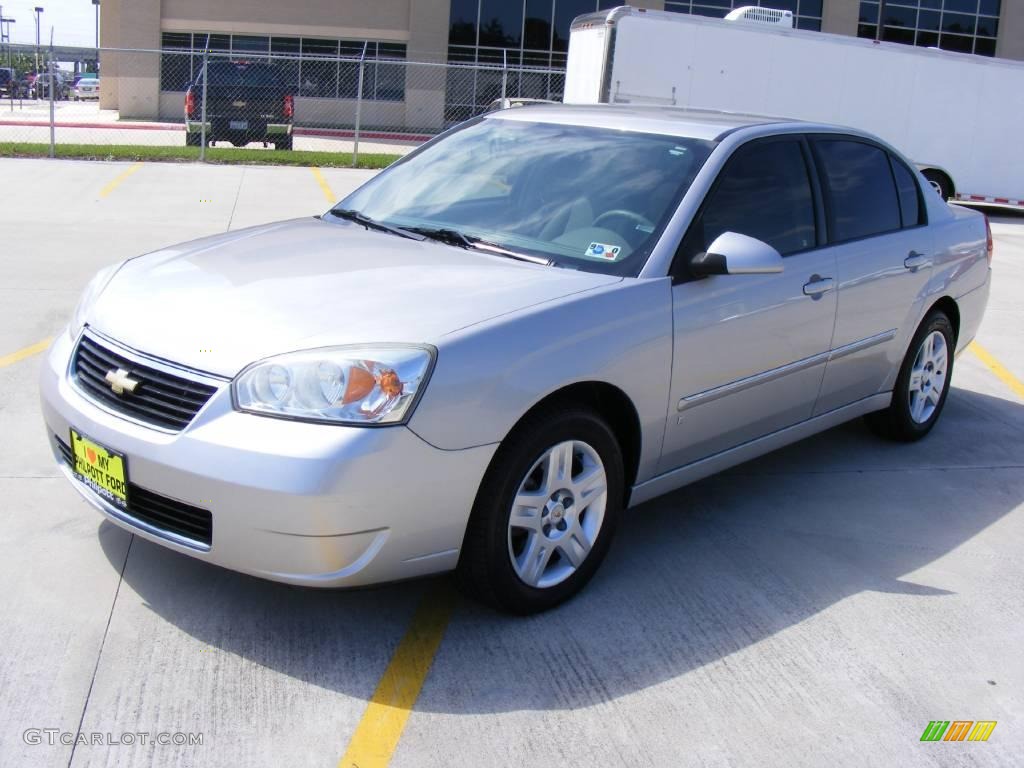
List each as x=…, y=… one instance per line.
x=734, y=254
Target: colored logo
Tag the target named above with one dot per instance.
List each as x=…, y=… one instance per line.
x=958, y=730
x=603, y=251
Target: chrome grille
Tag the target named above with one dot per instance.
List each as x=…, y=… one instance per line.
x=158, y=511
x=162, y=399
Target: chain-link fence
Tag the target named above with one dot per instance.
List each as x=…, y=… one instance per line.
x=365, y=100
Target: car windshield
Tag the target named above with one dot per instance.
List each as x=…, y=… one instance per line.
x=587, y=198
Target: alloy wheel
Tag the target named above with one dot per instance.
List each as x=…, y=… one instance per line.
x=557, y=514
x=928, y=377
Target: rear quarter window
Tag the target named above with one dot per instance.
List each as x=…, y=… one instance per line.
x=911, y=210
x=860, y=189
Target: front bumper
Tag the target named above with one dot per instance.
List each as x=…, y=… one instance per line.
x=301, y=503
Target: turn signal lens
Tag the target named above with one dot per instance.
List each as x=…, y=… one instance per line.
x=345, y=385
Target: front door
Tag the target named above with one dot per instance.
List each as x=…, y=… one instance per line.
x=750, y=350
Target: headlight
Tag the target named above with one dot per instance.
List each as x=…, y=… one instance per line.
x=89, y=296
x=356, y=385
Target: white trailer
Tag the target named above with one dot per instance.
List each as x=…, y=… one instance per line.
x=958, y=116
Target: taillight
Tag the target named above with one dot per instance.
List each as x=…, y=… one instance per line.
x=289, y=105
x=989, y=244
x=190, y=103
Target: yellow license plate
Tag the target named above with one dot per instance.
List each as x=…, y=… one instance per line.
x=103, y=470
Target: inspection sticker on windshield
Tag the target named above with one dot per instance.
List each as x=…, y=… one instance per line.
x=603, y=251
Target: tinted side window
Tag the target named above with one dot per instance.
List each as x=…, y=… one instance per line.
x=906, y=186
x=861, y=189
x=763, y=192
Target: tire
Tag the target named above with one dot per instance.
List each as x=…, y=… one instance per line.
x=940, y=182
x=193, y=139
x=494, y=564
x=284, y=144
x=922, y=385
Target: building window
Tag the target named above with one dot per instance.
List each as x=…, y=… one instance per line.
x=489, y=31
x=317, y=67
x=965, y=26
x=534, y=34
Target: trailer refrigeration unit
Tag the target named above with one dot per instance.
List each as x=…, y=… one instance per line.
x=957, y=115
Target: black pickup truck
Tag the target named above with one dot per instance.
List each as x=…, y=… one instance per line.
x=246, y=101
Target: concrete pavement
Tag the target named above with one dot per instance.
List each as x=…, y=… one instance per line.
x=818, y=606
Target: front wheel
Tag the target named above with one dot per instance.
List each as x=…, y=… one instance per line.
x=922, y=384
x=545, y=513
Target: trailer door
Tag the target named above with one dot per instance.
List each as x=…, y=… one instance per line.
x=584, y=75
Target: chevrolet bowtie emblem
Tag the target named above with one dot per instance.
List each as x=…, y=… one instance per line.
x=120, y=382
x=238, y=104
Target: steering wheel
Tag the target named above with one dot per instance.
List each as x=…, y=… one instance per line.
x=622, y=213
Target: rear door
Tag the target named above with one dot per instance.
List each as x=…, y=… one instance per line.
x=749, y=351
x=883, y=246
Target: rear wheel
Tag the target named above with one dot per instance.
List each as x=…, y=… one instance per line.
x=193, y=139
x=940, y=182
x=284, y=144
x=545, y=513
x=922, y=384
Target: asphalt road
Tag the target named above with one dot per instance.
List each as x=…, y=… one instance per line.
x=816, y=607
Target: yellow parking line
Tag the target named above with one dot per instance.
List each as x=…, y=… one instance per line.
x=116, y=182
x=324, y=186
x=21, y=354
x=377, y=734
x=998, y=369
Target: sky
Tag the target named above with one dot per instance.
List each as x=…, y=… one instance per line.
x=73, y=21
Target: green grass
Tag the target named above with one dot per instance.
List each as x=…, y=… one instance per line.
x=222, y=155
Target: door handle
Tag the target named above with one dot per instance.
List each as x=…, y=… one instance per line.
x=916, y=261
x=818, y=286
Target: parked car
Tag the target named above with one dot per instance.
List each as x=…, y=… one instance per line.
x=86, y=88
x=8, y=82
x=483, y=356
x=41, y=85
x=248, y=101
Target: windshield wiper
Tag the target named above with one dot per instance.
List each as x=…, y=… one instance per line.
x=462, y=240
x=369, y=223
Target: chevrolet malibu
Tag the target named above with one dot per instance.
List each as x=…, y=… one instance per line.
x=486, y=354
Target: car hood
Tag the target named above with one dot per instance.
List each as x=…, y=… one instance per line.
x=220, y=303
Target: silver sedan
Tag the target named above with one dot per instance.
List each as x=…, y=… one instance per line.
x=482, y=357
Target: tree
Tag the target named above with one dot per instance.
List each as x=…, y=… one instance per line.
x=21, y=61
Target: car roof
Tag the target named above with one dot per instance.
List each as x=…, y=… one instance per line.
x=671, y=121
